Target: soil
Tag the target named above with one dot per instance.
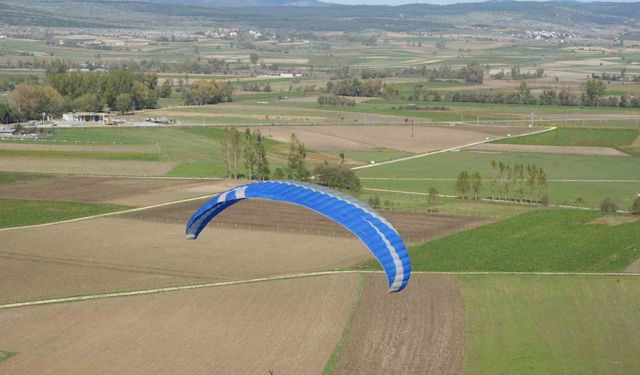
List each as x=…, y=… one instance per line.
x=287, y=326
x=125, y=191
x=362, y=138
x=256, y=214
x=111, y=254
x=567, y=150
x=417, y=331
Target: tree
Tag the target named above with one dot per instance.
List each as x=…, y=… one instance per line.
x=29, y=102
x=432, y=196
x=296, y=168
x=594, y=90
x=463, y=184
x=476, y=185
x=123, y=103
x=86, y=103
x=336, y=176
x=262, y=163
x=208, y=92
x=254, y=58
x=231, y=150
x=166, y=89
x=249, y=152
x=635, y=208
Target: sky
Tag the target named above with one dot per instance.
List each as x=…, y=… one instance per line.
x=399, y=2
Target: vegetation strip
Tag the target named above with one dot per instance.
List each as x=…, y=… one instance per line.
x=282, y=277
x=335, y=354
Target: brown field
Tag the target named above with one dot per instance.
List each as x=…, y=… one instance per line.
x=567, y=150
x=125, y=191
x=634, y=267
x=636, y=143
x=360, y=137
x=282, y=217
x=132, y=254
x=288, y=326
x=417, y=331
x=79, y=147
x=85, y=166
x=614, y=219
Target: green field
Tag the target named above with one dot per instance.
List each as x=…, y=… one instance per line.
x=551, y=324
x=573, y=179
x=144, y=156
x=553, y=240
x=15, y=213
x=578, y=137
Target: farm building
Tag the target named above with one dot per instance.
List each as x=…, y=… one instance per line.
x=85, y=117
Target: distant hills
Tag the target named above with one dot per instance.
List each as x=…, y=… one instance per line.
x=314, y=15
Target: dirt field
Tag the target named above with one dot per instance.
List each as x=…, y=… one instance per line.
x=85, y=166
x=614, y=220
x=417, y=331
x=125, y=191
x=567, y=150
x=282, y=217
x=80, y=147
x=288, y=326
x=360, y=138
x=132, y=254
x=634, y=267
x=636, y=143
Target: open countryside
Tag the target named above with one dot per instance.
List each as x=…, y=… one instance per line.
x=499, y=141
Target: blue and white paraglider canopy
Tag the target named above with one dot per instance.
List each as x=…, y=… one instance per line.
x=371, y=228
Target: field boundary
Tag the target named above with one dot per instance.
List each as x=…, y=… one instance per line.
x=90, y=297
x=450, y=149
x=137, y=209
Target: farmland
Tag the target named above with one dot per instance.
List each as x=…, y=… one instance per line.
x=515, y=269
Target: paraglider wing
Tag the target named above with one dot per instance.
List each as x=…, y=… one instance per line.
x=373, y=230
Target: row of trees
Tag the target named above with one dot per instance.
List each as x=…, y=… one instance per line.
x=592, y=95
x=244, y=153
x=374, y=87
x=90, y=92
x=510, y=182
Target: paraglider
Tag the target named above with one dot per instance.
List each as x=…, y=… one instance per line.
x=371, y=228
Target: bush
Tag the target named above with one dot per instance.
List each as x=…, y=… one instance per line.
x=635, y=208
x=608, y=205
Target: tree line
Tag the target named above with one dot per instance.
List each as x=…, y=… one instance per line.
x=509, y=182
x=244, y=155
x=373, y=87
x=91, y=92
x=593, y=95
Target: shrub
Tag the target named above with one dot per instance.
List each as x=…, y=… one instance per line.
x=608, y=205
x=635, y=208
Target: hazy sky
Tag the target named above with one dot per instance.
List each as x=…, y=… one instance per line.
x=398, y=2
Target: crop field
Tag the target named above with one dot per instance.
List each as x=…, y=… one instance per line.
x=392, y=104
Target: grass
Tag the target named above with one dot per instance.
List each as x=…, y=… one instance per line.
x=11, y=177
x=378, y=155
x=15, y=213
x=578, y=137
x=554, y=240
x=142, y=156
x=198, y=169
x=551, y=324
x=6, y=355
x=418, y=203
